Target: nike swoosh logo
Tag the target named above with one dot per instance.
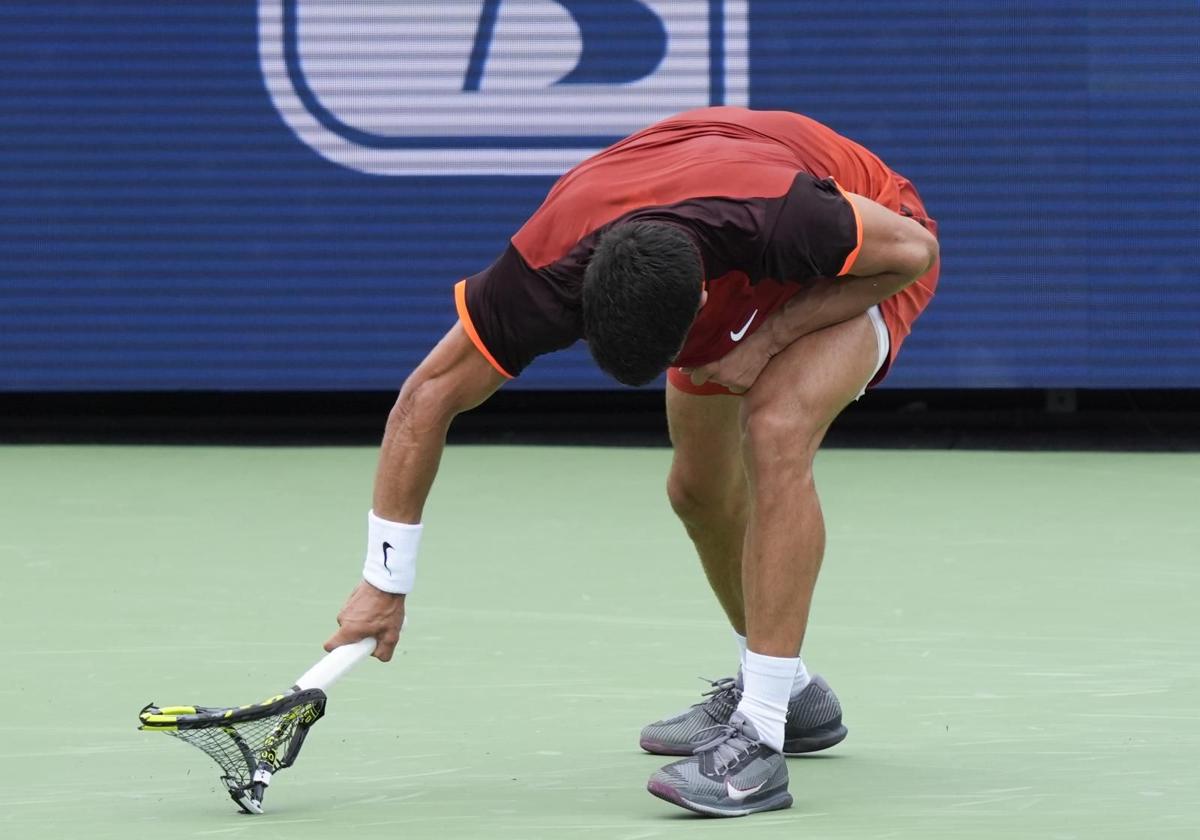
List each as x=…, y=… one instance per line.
x=737, y=336
x=386, y=546
x=737, y=794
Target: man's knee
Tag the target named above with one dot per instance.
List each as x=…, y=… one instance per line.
x=688, y=496
x=697, y=499
x=781, y=440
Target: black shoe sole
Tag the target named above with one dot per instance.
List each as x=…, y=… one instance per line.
x=815, y=740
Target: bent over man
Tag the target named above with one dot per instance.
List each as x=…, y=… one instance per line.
x=773, y=268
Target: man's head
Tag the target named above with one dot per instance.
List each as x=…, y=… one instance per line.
x=641, y=292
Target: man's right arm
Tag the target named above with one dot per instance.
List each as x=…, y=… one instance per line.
x=453, y=378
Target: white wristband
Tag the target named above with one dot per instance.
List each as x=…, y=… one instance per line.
x=391, y=563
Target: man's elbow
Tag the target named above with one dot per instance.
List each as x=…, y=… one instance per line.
x=932, y=251
x=921, y=253
x=425, y=401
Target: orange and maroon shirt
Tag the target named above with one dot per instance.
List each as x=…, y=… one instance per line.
x=760, y=192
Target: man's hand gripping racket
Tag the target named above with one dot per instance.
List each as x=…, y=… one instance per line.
x=251, y=743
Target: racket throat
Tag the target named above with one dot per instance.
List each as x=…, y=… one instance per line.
x=250, y=797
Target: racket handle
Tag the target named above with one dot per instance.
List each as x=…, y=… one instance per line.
x=336, y=664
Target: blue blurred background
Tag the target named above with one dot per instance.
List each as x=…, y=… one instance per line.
x=164, y=228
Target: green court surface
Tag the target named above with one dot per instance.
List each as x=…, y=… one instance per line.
x=1015, y=637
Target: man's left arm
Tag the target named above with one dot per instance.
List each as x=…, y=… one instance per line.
x=892, y=252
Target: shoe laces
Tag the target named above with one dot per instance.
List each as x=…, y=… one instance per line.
x=724, y=691
x=730, y=744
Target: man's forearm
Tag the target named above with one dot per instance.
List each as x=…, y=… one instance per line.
x=827, y=301
x=408, y=460
x=453, y=378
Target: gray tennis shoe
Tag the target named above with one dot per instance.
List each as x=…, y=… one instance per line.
x=732, y=774
x=814, y=720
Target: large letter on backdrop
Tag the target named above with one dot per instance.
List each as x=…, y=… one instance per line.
x=493, y=87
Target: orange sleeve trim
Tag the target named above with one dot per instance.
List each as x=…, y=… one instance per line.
x=853, y=255
x=460, y=303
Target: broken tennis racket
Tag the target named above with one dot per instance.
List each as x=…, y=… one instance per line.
x=252, y=743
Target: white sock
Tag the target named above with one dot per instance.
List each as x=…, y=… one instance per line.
x=802, y=679
x=767, y=687
x=799, y=683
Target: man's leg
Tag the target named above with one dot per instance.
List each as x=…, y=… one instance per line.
x=708, y=491
x=783, y=420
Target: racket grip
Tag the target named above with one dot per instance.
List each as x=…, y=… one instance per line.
x=336, y=664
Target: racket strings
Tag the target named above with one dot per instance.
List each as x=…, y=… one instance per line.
x=244, y=747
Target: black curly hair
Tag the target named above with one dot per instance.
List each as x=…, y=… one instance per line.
x=641, y=292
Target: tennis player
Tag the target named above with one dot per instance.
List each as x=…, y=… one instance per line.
x=773, y=269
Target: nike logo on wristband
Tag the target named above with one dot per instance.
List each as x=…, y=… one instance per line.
x=737, y=336
x=386, y=546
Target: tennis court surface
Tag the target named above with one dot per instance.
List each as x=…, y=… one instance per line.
x=1014, y=637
